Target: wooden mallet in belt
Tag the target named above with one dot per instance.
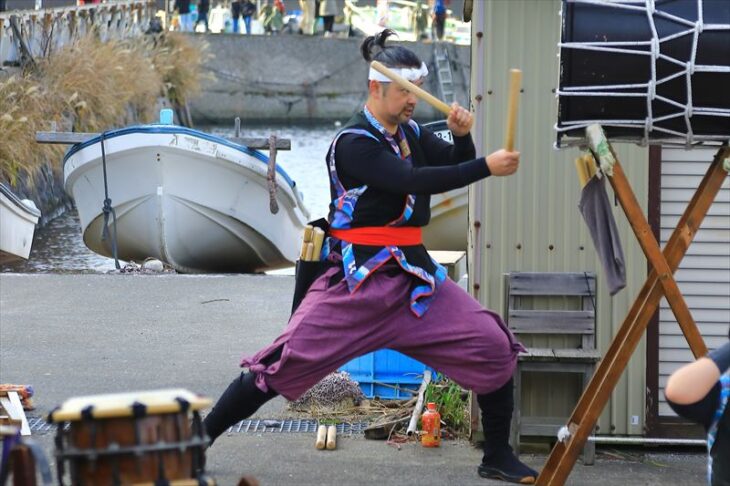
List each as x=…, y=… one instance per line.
x=311, y=243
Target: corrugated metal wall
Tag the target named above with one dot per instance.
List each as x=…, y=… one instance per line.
x=530, y=221
x=704, y=273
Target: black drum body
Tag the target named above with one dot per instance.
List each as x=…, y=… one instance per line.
x=660, y=76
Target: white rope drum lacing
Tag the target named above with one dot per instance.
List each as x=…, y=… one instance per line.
x=652, y=48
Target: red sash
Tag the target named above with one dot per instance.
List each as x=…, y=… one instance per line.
x=380, y=235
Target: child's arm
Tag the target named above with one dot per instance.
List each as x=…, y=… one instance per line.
x=692, y=382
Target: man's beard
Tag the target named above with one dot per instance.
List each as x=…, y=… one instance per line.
x=406, y=114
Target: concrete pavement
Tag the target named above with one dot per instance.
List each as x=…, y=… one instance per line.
x=72, y=335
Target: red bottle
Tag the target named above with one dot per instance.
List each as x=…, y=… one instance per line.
x=431, y=426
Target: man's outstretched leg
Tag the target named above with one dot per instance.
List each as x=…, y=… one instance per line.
x=240, y=400
x=499, y=461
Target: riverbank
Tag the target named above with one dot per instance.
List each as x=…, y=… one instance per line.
x=92, y=334
x=302, y=78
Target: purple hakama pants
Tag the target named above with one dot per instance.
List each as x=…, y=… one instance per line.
x=456, y=336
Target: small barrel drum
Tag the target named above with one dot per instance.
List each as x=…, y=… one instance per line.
x=648, y=71
x=130, y=438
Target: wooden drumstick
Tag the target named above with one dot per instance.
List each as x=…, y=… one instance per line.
x=331, y=437
x=308, y=229
x=317, y=240
x=515, y=79
x=321, y=437
x=590, y=165
x=309, y=254
x=580, y=167
x=419, y=92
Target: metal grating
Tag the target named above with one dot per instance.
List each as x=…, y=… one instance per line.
x=260, y=426
x=249, y=426
x=39, y=426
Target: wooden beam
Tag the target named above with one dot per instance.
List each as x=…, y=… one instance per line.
x=651, y=248
x=261, y=143
x=594, y=398
x=63, y=137
x=10, y=402
x=71, y=138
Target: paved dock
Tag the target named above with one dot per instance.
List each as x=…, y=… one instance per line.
x=71, y=335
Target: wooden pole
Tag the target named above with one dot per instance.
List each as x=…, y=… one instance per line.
x=416, y=90
x=271, y=175
x=515, y=80
x=419, y=403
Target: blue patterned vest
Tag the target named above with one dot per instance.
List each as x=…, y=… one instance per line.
x=355, y=205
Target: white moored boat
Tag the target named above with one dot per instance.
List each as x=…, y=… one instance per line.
x=449, y=224
x=17, y=225
x=195, y=201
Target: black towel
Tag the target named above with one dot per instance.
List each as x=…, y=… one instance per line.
x=596, y=210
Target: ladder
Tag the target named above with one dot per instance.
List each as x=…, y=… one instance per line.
x=443, y=72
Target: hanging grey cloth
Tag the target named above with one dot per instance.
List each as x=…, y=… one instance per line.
x=596, y=211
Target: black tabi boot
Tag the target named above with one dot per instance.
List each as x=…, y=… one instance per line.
x=499, y=461
x=240, y=400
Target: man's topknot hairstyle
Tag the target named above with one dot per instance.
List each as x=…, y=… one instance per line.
x=373, y=48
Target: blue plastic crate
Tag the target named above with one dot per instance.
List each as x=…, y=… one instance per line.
x=375, y=371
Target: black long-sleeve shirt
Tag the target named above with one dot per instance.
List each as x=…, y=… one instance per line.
x=364, y=160
x=367, y=159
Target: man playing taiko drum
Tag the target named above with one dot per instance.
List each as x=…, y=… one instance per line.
x=380, y=288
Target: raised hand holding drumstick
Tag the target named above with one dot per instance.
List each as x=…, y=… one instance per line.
x=506, y=161
x=503, y=162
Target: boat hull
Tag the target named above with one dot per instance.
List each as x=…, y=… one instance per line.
x=17, y=225
x=194, y=201
x=448, y=228
x=449, y=225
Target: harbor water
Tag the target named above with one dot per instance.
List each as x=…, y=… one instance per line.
x=59, y=248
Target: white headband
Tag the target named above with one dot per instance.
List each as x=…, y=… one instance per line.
x=411, y=74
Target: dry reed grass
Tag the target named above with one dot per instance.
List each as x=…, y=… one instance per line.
x=178, y=60
x=25, y=106
x=100, y=81
x=98, y=86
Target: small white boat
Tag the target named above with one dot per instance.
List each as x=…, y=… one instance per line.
x=195, y=201
x=448, y=229
x=17, y=225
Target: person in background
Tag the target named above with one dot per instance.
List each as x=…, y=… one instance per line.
x=420, y=20
x=186, y=18
x=271, y=17
x=279, y=5
x=203, y=9
x=700, y=391
x=381, y=9
x=236, y=15
x=307, y=24
x=328, y=10
x=439, y=18
x=248, y=9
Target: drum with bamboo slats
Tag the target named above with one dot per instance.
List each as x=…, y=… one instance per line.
x=648, y=71
x=131, y=438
